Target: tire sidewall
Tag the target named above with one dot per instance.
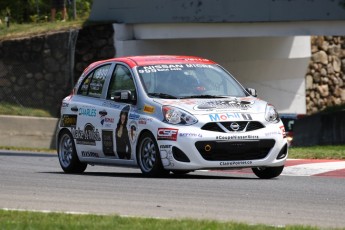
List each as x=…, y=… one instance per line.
x=158, y=169
x=75, y=165
x=269, y=172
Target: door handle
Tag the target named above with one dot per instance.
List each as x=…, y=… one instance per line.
x=74, y=109
x=103, y=113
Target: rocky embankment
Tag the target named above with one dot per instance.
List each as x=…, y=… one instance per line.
x=325, y=79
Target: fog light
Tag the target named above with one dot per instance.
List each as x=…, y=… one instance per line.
x=207, y=148
x=179, y=155
x=283, y=152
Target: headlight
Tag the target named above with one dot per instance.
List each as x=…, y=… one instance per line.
x=271, y=114
x=176, y=116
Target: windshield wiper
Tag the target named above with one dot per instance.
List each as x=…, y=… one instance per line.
x=203, y=96
x=162, y=95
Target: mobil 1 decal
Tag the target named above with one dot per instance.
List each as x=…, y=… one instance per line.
x=224, y=104
x=68, y=120
x=87, y=136
x=108, y=143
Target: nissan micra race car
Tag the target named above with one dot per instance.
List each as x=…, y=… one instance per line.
x=168, y=114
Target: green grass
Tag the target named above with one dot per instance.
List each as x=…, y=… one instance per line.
x=46, y=221
x=31, y=29
x=318, y=152
x=17, y=110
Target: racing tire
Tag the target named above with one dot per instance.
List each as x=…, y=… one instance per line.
x=148, y=157
x=67, y=154
x=268, y=172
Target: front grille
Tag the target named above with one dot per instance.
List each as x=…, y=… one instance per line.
x=234, y=150
x=243, y=126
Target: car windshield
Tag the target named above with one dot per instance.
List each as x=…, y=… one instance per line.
x=189, y=81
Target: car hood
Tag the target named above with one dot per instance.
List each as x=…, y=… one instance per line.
x=211, y=105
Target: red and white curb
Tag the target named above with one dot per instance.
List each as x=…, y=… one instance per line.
x=306, y=167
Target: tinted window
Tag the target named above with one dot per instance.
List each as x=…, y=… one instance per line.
x=121, y=80
x=94, y=82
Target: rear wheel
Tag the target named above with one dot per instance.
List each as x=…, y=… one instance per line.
x=67, y=154
x=148, y=157
x=268, y=172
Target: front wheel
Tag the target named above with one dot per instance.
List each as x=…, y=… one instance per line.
x=148, y=157
x=268, y=172
x=67, y=154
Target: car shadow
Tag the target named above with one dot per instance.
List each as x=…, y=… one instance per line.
x=190, y=176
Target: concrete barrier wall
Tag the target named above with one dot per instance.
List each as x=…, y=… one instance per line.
x=320, y=129
x=30, y=132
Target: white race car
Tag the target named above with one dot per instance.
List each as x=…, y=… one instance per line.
x=168, y=114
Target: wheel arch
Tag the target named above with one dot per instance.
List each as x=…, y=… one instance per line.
x=58, y=135
x=142, y=132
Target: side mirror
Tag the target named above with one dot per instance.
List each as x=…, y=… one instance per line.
x=252, y=92
x=124, y=96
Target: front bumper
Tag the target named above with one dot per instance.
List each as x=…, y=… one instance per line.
x=195, y=149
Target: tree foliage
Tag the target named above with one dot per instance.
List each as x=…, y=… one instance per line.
x=25, y=11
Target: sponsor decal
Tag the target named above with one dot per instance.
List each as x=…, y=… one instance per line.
x=224, y=104
x=235, y=163
x=282, y=128
x=245, y=137
x=178, y=102
x=87, y=112
x=160, y=68
x=190, y=134
x=106, y=121
x=133, y=127
x=123, y=145
x=171, y=67
x=89, y=154
x=273, y=133
x=96, y=86
x=200, y=66
x=167, y=157
x=108, y=143
x=167, y=134
x=88, y=136
x=68, y=120
x=64, y=105
x=229, y=116
x=224, y=116
x=144, y=120
x=111, y=104
x=134, y=116
x=247, y=117
x=149, y=109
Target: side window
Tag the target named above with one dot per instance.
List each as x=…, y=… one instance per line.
x=121, y=80
x=94, y=82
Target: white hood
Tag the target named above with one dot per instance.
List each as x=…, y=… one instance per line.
x=209, y=105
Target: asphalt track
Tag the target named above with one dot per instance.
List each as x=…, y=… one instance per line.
x=308, y=192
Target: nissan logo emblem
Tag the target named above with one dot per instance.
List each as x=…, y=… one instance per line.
x=234, y=126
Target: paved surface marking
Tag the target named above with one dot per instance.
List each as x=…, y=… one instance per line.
x=314, y=168
x=307, y=167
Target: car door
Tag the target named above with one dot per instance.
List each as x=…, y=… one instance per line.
x=89, y=100
x=120, y=123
